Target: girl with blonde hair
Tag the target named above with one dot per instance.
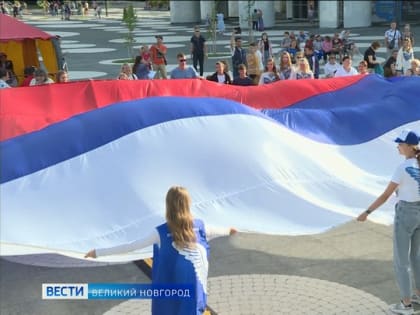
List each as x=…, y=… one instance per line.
x=285, y=65
x=253, y=62
x=179, y=217
x=414, y=69
x=180, y=254
x=302, y=71
x=62, y=77
x=404, y=57
x=127, y=69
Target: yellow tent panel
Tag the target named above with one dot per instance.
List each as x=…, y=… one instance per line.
x=26, y=46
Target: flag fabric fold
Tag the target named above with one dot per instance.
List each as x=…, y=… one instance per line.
x=95, y=173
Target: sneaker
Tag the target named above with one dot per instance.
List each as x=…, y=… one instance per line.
x=402, y=309
x=415, y=299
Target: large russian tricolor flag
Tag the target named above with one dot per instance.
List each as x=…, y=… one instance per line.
x=88, y=164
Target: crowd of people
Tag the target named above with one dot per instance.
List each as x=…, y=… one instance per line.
x=68, y=8
x=31, y=75
x=14, y=8
x=64, y=8
x=301, y=56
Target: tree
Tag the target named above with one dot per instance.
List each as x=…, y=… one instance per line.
x=212, y=28
x=106, y=8
x=130, y=20
x=211, y=22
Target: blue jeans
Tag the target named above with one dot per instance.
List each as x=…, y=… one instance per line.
x=407, y=245
x=266, y=56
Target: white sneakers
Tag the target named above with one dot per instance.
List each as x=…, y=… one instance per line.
x=402, y=309
x=415, y=299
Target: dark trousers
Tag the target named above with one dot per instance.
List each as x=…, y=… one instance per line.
x=255, y=25
x=198, y=58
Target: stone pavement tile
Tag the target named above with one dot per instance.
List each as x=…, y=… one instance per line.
x=316, y=290
x=357, y=238
x=131, y=307
x=287, y=299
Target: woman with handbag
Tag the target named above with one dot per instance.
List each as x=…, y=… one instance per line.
x=392, y=39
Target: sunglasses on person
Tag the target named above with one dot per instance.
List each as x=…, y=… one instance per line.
x=182, y=60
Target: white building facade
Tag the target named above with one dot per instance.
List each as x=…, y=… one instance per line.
x=328, y=13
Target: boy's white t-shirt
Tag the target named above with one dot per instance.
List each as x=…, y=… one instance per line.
x=407, y=176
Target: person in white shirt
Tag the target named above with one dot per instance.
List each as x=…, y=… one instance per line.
x=40, y=78
x=404, y=57
x=406, y=183
x=331, y=67
x=346, y=69
x=127, y=69
x=3, y=79
x=221, y=75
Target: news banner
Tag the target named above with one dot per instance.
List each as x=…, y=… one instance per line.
x=115, y=291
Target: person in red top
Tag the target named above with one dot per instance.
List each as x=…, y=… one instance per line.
x=158, y=53
x=145, y=56
x=28, y=73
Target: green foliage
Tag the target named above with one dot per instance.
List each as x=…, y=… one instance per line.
x=42, y=4
x=123, y=61
x=159, y=4
x=130, y=21
x=130, y=18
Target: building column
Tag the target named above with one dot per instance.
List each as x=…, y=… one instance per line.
x=206, y=7
x=278, y=6
x=185, y=11
x=357, y=14
x=267, y=8
x=328, y=13
x=233, y=8
x=289, y=9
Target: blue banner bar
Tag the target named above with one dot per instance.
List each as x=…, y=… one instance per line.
x=106, y=291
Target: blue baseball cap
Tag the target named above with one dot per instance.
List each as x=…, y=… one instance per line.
x=409, y=137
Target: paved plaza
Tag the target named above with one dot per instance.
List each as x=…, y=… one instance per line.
x=347, y=270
